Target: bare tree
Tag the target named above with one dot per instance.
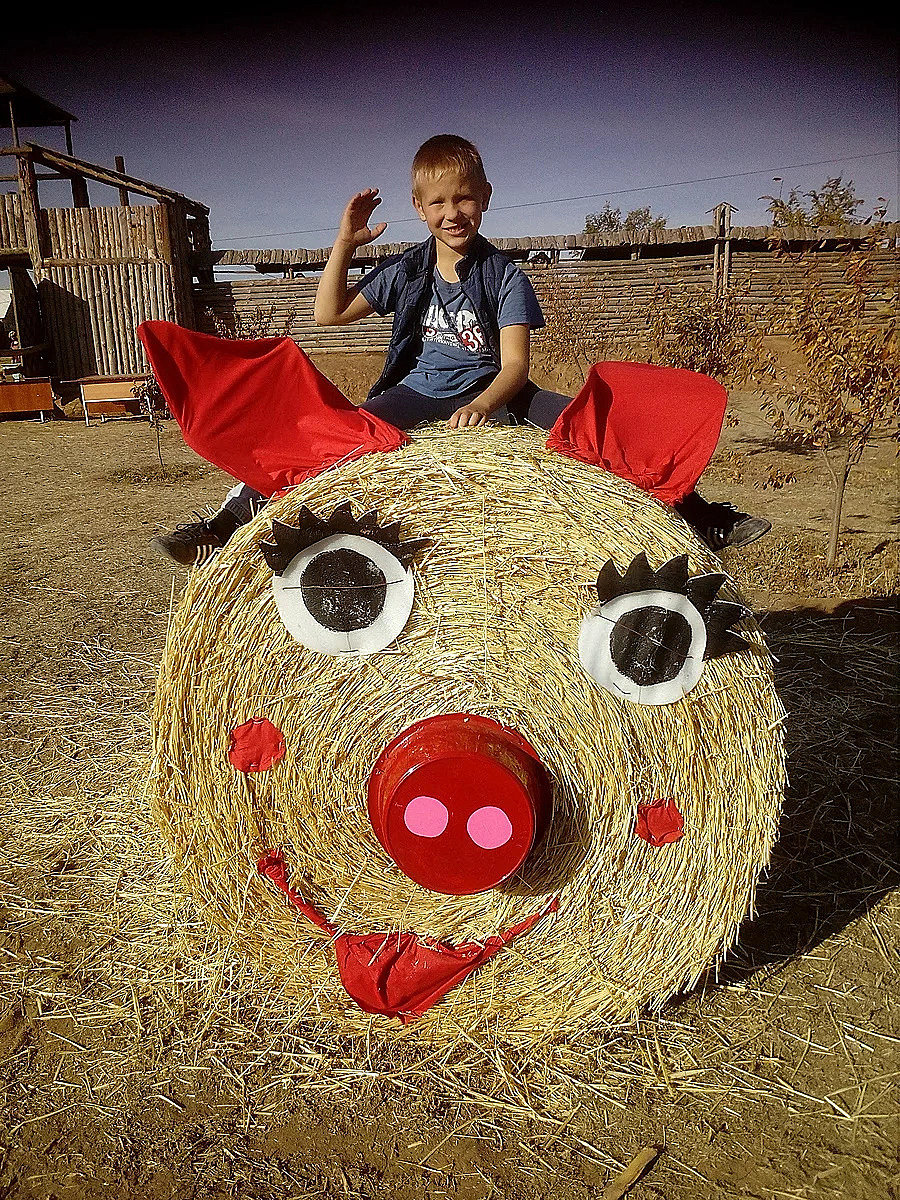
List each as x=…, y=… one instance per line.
x=848, y=384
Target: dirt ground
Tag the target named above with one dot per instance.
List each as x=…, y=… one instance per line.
x=140, y=1063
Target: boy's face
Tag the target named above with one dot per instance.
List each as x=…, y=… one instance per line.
x=452, y=207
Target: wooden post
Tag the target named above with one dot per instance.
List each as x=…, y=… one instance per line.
x=726, y=233
x=123, y=192
x=69, y=139
x=719, y=220
x=31, y=213
x=202, y=243
x=12, y=123
x=182, y=268
x=80, y=197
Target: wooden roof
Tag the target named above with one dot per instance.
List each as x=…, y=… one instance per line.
x=69, y=165
x=29, y=108
x=273, y=260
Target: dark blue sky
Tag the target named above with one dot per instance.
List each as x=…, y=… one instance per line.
x=274, y=125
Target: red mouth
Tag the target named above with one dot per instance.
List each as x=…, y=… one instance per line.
x=397, y=974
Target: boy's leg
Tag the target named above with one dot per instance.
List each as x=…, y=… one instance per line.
x=721, y=524
x=403, y=407
x=536, y=406
x=243, y=503
x=195, y=541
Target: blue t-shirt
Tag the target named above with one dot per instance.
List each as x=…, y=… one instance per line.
x=455, y=355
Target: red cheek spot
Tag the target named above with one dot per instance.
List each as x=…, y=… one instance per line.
x=255, y=746
x=659, y=822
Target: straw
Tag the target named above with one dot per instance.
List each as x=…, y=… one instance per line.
x=102, y=947
x=518, y=535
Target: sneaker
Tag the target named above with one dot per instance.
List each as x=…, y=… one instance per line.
x=190, y=544
x=724, y=525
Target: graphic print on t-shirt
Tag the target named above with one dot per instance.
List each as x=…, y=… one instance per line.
x=455, y=354
x=453, y=329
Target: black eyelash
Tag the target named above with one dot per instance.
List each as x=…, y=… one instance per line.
x=288, y=540
x=673, y=576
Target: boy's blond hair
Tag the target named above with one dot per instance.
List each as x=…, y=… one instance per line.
x=443, y=153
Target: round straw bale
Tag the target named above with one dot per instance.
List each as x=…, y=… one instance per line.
x=517, y=537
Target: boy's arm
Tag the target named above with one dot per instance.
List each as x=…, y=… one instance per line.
x=515, y=349
x=335, y=303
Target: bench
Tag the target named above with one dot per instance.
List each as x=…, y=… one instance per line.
x=110, y=397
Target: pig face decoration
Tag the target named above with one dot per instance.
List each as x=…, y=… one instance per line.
x=470, y=734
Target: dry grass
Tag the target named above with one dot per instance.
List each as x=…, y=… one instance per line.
x=145, y=1057
x=792, y=563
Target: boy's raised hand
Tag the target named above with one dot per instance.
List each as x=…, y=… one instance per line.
x=354, y=228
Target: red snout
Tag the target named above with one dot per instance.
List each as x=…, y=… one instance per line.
x=458, y=801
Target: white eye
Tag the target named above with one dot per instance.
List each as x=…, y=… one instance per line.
x=645, y=646
x=344, y=594
x=653, y=630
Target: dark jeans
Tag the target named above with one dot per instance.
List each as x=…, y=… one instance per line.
x=403, y=407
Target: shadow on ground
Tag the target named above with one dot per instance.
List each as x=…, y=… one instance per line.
x=837, y=853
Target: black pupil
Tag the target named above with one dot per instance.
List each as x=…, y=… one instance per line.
x=343, y=590
x=650, y=645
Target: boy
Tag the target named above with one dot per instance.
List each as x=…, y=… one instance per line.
x=460, y=343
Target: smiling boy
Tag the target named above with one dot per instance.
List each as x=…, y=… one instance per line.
x=461, y=336
x=463, y=312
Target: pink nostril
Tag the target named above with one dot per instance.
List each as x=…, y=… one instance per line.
x=489, y=827
x=426, y=816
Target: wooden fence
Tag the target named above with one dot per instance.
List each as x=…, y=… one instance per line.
x=106, y=270
x=615, y=291
x=95, y=271
x=12, y=224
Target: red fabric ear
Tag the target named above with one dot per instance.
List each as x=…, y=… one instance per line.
x=397, y=974
x=655, y=426
x=259, y=409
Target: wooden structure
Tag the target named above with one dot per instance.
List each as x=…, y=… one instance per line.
x=27, y=396
x=109, y=397
x=83, y=277
x=613, y=276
